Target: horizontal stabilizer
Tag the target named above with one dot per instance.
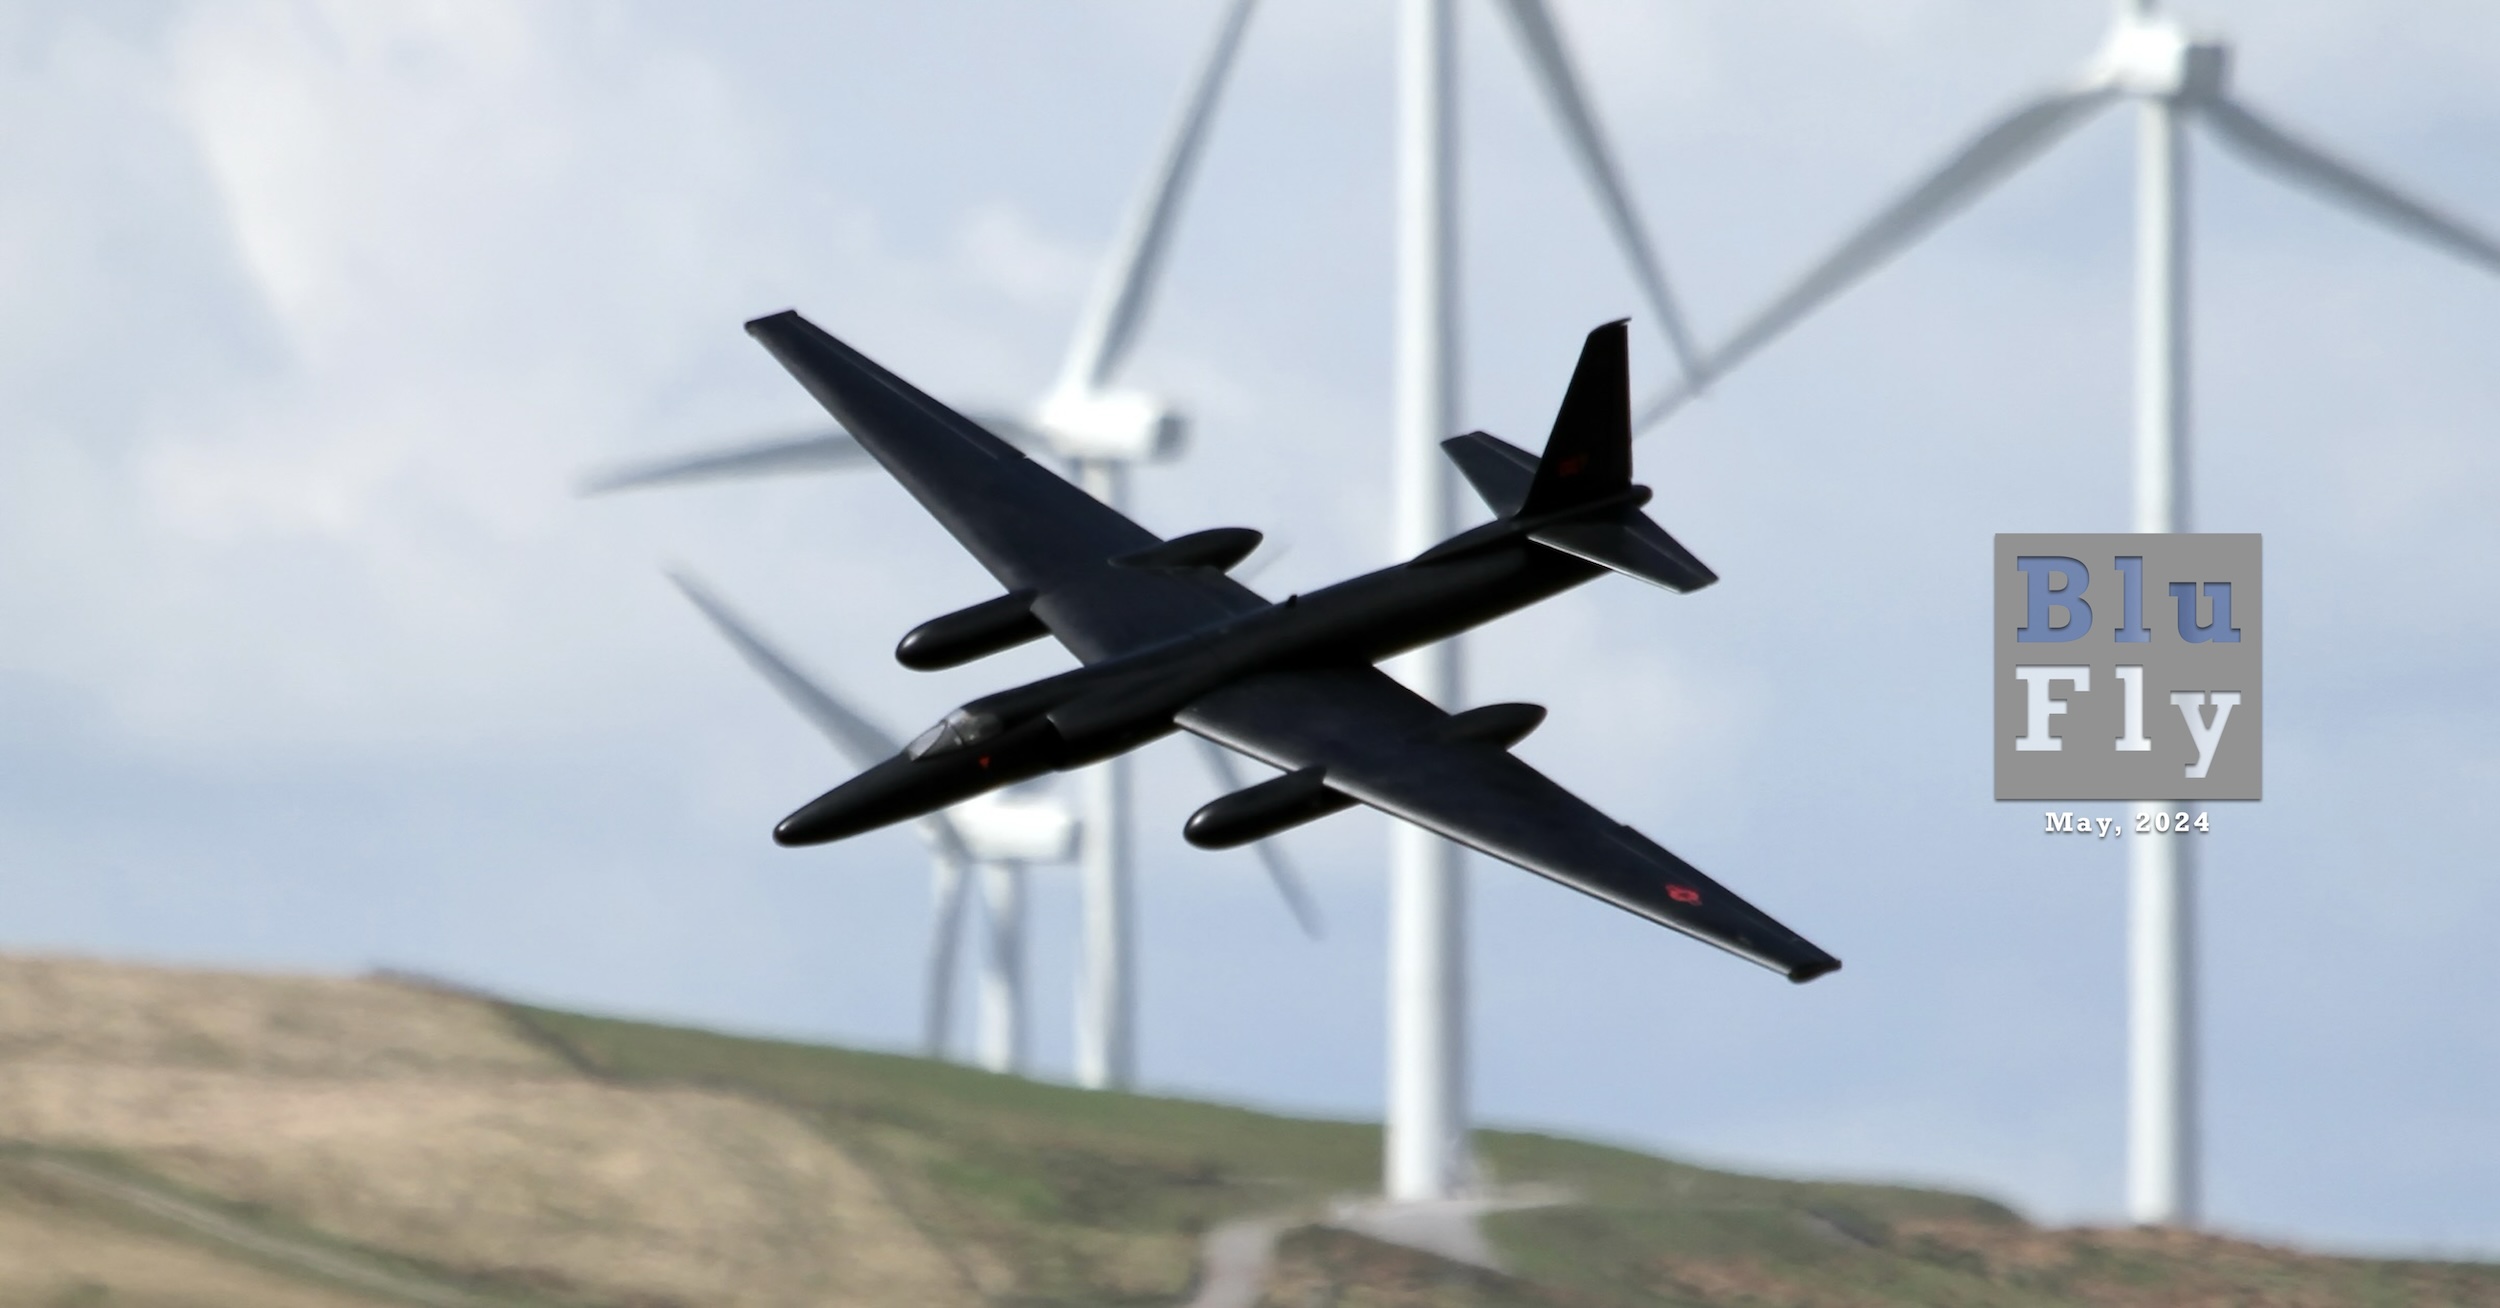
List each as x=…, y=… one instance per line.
x=1499, y=470
x=1633, y=545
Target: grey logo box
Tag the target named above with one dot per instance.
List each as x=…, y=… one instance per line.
x=2127, y=667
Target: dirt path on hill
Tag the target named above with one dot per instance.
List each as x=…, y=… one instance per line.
x=1233, y=1261
x=1235, y=1257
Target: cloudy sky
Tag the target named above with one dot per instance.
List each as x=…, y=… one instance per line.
x=310, y=657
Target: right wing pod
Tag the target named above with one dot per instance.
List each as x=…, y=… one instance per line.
x=1275, y=805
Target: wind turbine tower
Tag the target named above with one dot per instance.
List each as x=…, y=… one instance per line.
x=2174, y=78
x=2162, y=1153
x=1428, y=1157
x=1103, y=432
x=1427, y=1151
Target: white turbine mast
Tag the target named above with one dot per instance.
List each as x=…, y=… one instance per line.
x=1103, y=432
x=1428, y=1157
x=1100, y=432
x=2175, y=78
x=994, y=837
x=1425, y=1138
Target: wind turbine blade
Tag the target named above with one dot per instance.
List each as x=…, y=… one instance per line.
x=2006, y=145
x=1551, y=61
x=1289, y=884
x=1272, y=855
x=2271, y=148
x=812, y=453
x=1118, y=304
x=857, y=738
x=947, y=878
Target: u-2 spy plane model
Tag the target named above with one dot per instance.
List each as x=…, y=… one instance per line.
x=1167, y=640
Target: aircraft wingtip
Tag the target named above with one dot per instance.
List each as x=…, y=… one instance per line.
x=1804, y=972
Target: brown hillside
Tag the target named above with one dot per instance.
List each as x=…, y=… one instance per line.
x=426, y=1126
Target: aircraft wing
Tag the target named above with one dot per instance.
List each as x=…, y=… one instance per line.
x=1029, y=526
x=1385, y=745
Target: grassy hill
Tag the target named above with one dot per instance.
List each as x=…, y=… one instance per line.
x=171, y=1137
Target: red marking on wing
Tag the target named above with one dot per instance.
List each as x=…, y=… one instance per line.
x=1683, y=894
x=985, y=762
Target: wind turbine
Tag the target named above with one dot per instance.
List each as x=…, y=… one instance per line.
x=1428, y=1156
x=1100, y=432
x=995, y=836
x=2175, y=78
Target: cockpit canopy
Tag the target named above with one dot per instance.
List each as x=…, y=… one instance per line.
x=957, y=729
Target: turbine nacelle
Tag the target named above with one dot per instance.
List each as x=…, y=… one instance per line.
x=2157, y=57
x=1122, y=426
x=1000, y=828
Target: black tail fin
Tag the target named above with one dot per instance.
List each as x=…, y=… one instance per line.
x=1588, y=461
x=1589, y=456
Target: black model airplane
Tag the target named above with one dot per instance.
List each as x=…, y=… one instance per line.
x=1168, y=640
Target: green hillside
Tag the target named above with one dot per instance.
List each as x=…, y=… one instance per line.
x=1091, y=1198
x=198, y=1138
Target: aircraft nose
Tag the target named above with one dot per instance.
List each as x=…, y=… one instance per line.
x=870, y=800
x=819, y=821
x=893, y=791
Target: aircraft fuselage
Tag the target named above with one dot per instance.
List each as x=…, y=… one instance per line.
x=1094, y=712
